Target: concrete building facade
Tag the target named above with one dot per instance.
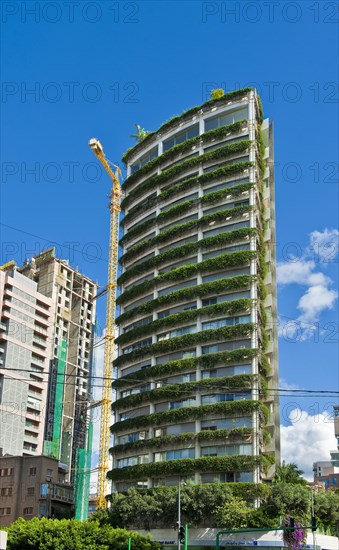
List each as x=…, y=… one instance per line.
x=68, y=428
x=25, y=354
x=197, y=345
x=33, y=486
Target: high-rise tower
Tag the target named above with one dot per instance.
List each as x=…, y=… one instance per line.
x=197, y=365
x=68, y=429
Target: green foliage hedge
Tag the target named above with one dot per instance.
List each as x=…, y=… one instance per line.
x=211, y=197
x=188, y=249
x=222, y=262
x=183, y=207
x=186, y=466
x=174, y=391
x=188, y=340
x=174, y=121
x=226, y=171
x=226, y=408
x=66, y=534
x=169, y=440
x=240, y=282
x=229, y=308
x=191, y=363
x=169, y=173
x=182, y=229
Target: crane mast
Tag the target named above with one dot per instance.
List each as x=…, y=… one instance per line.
x=114, y=208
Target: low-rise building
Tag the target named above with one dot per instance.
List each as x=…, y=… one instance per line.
x=33, y=486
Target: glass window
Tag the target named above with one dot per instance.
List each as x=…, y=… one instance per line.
x=177, y=332
x=184, y=403
x=144, y=159
x=138, y=345
x=180, y=137
x=226, y=322
x=226, y=118
x=225, y=185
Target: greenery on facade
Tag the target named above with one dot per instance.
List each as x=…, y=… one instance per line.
x=174, y=171
x=187, y=340
x=188, y=249
x=239, y=282
x=223, y=262
x=175, y=391
x=221, y=358
x=185, y=466
x=220, y=173
x=184, y=207
x=186, y=115
x=186, y=437
x=226, y=408
x=183, y=228
x=189, y=183
x=227, y=308
x=53, y=534
x=214, y=196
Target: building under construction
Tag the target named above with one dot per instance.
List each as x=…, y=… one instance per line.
x=67, y=426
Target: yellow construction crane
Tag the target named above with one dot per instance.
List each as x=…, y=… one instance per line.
x=114, y=208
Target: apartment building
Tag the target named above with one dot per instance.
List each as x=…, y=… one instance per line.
x=26, y=334
x=68, y=428
x=197, y=357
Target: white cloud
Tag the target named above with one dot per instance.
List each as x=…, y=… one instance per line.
x=324, y=245
x=298, y=272
x=284, y=385
x=315, y=300
x=307, y=440
x=305, y=271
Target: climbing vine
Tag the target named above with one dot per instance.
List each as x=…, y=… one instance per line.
x=239, y=282
x=174, y=391
x=229, y=357
x=226, y=408
x=177, y=343
x=178, y=252
x=224, y=261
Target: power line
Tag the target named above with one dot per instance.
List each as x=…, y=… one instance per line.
x=52, y=242
x=286, y=392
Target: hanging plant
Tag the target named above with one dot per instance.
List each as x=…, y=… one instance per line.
x=294, y=539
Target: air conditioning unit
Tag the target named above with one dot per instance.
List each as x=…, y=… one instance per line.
x=142, y=435
x=158, y=432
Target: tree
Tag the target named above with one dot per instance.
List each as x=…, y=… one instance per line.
x=47, y=534
x=217, y=94
x=234, y=514
x=141, y=133
x=326, y=510
x=289, y=473
x=289, y=498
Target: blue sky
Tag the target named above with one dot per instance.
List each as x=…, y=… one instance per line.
x=97, y=68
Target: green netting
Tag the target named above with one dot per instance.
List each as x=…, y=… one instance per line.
x=79, y=479
x=82, y=477
x=52, y=448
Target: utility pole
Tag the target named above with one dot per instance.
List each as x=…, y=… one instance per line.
x=179, y=513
